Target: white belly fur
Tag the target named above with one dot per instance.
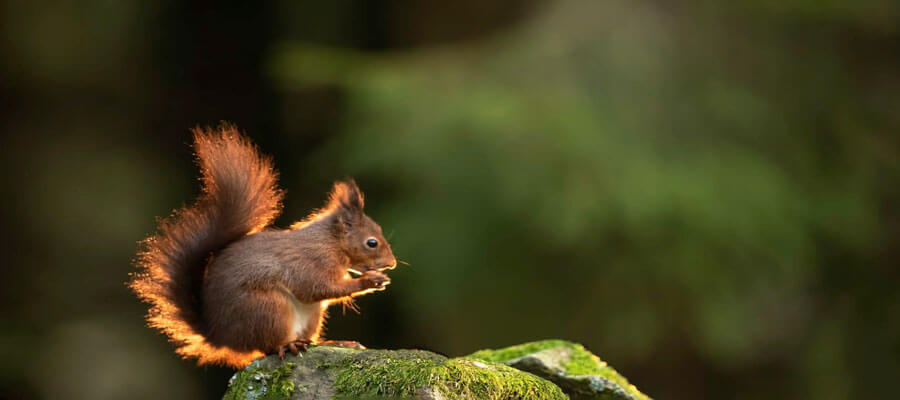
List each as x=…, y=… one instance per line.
x=302, y=312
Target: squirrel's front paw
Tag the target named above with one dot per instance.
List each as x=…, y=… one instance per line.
x=374, y=279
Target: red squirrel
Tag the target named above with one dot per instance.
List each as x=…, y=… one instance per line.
x=226, y=288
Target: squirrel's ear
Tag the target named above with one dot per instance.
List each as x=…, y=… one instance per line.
x=346, y=202
x=346, y=195
x=343, y=222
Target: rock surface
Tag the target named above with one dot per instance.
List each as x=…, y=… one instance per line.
x=555, y=370
x=578, y=372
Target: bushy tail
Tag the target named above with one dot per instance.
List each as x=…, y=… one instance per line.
x=240, y=196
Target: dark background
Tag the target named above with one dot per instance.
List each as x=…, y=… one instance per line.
x=703, y=193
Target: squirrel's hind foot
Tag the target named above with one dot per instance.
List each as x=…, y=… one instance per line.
x=350, y=344
x=294, y=347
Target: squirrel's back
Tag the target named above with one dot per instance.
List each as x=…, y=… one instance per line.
x=240, y=196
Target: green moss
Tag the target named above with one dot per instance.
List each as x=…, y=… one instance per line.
x=508, y=353
x=255, y=382
x=581, y=362
x=398, y=375
x=403, y=372
x=463, y=378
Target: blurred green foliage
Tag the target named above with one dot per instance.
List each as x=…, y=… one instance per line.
x=599, y=175
x=703, y=193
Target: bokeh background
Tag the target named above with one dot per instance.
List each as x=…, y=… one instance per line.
x=706, y=194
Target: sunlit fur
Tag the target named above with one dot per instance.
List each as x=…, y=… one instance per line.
x=225, y=289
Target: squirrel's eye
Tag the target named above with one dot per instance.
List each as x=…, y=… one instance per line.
x=372, y=243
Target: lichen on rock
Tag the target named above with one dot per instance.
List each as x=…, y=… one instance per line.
x=325, y=372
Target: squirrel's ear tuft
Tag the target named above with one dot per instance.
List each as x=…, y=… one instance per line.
x=345, y=194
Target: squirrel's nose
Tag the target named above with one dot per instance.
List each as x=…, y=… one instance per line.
x=391, y=264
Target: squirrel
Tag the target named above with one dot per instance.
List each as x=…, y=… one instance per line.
x=226, y=287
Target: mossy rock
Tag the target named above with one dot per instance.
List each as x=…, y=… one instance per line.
x=325, y=372
x=579, y=373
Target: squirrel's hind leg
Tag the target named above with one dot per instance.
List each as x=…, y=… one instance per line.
x=306, y=323
x=262, y=320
